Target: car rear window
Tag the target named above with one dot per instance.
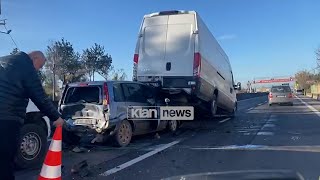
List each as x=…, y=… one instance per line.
x=90, y=94
x=280, y=89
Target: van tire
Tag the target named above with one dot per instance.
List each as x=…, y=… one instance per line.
x=233, y=113
x=123, y=134
x=34, y=155
x=213, y=106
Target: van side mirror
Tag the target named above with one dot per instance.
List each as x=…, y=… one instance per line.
x=237, y=86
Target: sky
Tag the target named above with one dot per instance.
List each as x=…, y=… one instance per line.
x=263, y=38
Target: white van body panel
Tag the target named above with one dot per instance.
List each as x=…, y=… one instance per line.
x=215, y=65
x=166, y=49
x=33, y=108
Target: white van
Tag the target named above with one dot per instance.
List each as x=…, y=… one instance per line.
x=177, y=49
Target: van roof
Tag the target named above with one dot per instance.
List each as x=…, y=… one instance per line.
x=171, y=12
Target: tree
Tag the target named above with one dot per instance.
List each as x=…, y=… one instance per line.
x=14, y=51
x=302, y=78
x=64, y=62
x=96, y=61
x=118, y=75
x=318, y=57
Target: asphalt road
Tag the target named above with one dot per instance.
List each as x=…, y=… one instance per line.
x=259, y=137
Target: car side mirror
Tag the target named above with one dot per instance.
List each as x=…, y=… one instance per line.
x=237, y=86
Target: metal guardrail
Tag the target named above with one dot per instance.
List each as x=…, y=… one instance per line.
x=242, y=96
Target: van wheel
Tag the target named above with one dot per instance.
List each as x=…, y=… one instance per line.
x=123, y=135
x=233, y=113
x=213, y=107
x=172, y=125
x=32, y=146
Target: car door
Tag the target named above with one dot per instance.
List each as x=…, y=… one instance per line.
x=118, y=106
x=134, y=96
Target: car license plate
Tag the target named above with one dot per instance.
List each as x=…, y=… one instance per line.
x=84, y=121
x=281, y=96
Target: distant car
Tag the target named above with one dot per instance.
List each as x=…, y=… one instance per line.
x=280, y=95
x=299, y=92
x=100, y=108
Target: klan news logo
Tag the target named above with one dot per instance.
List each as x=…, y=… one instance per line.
x=160, y=113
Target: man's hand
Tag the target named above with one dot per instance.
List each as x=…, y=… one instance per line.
x=58, y=122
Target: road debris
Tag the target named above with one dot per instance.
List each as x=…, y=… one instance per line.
x=78, y=149
x=76, y=168
x=157, y=136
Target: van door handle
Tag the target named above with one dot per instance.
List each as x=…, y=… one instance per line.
x=168, y=66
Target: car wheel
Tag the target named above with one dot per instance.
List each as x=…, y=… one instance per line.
x=214, y=107
x=123, y=134
x=32, y=146
x=172, y=125
x=270, y=104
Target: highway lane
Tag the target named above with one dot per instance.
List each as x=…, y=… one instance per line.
x=202, y=133
x=277, y=137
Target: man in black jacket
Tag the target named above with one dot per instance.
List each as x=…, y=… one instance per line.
x=19, y=82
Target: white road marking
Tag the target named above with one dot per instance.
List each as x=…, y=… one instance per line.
x=265, y=133
x=310, y=107
x=263, y=148
x=246, y=134
x=250, y=99
x=260, y=104
x=273, y=116
x=138, y=159
x=242, y=131
x=268, y=126
x=250, y=109
x=231, y=147
x=247, y=129
x=224, y=120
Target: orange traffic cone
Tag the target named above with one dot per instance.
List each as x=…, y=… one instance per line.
x=51, y=168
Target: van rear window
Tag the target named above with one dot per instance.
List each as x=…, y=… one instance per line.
x=90, y=94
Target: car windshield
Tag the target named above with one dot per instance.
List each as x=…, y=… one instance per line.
x=89, y=94
x=155, y=89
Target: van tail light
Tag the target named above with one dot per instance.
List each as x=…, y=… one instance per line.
x=106, y=94
x=135, y=66
x=135, y=58
x=290, y=95
x=197, y=64
x=270, y=95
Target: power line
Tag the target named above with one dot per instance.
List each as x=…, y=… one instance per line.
x=14, y=42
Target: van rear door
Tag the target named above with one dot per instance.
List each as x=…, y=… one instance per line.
x=167, y=46
x=152, y=46
x=179, y=46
